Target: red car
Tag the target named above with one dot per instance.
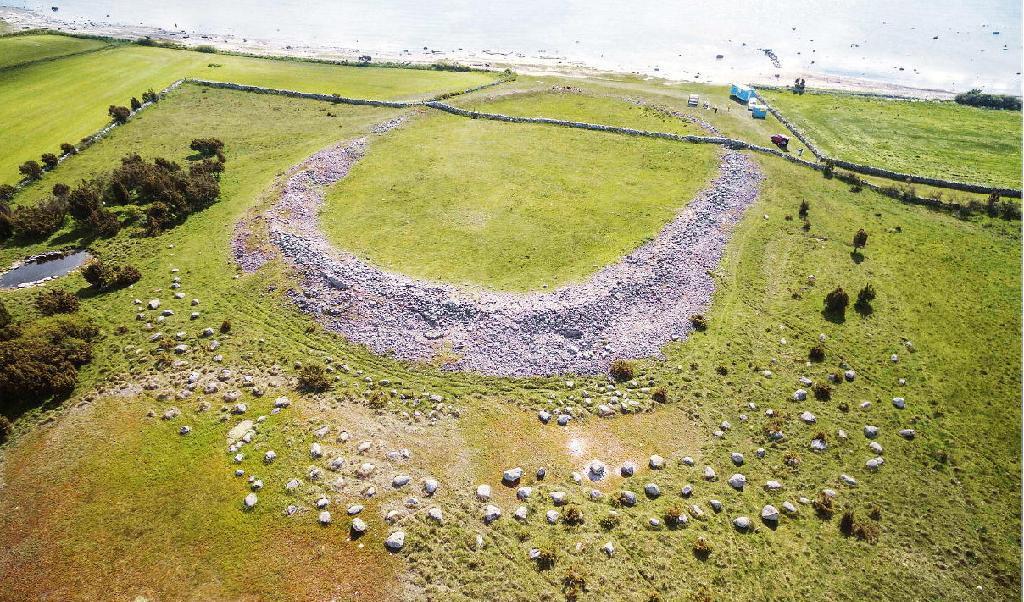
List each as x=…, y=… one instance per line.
x=780, y=141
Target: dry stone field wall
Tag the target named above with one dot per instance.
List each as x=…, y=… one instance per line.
x=628, y=309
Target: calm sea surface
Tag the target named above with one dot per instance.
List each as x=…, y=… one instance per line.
x=944, y=44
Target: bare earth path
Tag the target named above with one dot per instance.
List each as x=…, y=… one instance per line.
x=628, y=309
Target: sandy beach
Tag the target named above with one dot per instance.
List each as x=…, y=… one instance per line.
x=528, y=63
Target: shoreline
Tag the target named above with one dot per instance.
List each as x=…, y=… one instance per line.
x=22, y=19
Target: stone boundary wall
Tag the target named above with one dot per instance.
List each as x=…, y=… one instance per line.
x=880, y=172
x=398, y=104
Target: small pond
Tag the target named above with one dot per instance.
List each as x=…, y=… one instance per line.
x=46, y=265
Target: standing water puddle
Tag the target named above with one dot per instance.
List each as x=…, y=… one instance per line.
x=45, y=266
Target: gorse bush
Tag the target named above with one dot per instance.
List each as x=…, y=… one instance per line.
x=56, y=301
x=699, y=322
x=103, y=276
x=701, y=548
x=31, y=170
x=150, y=96
x=40, y=220
x=622, y=370
x=44, y=362
x=49, y=160
x=860, y=239
x=7, y=192
x=208, y=147
x=135, y=104
x=976, y=98
x=804, y=207
x=816, y=354
x=119, y=114
x=865, y=296
x=67, y=148
x=313, y=379
x=5, y=316
x=836, y=302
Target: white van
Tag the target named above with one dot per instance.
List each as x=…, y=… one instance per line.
x=694, y=100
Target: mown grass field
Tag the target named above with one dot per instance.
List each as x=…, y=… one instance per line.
x=18, y=50
x=514, y=207
x=79, y=89
x=938, y=139
x=98, y=501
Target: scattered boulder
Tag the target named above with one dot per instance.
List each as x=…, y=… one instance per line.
x=483, y=493
x=395, y=541
x=741, y=523
x=512, y=476
x=491, y=513
x=737, y=481
x=770, y=514
x=250, y=501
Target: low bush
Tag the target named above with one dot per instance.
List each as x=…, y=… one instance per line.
x=671, y=516
x=313, y=379
x=622, y=370
x=67, y=148
x=824, y=506
x=804, y=207
x=699, y=322
x=860, y=239
x=104, y=276
x=822, y=392
x=31, y=170
x=44, y=362
x=119, y=114
x=208, y=147
x=701, y=548
x=660, y=395
x=816, y=354
x=976, y=98
x=56, y=301
x=865, y=296
x=225, y=327
x=836, y=302
x=40, y=220
x=208, y=49
x=545, y=558
x=61, y=190
x=6, y=221
x=49, y=160
x=7, y=192
x=609, y=521
x=5, y=316
x=135, y=104
x=573, y=516
x=150, y=96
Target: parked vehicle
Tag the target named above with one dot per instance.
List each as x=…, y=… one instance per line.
x=781, y=141
x=694, y=100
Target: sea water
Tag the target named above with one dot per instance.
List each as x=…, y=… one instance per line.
x=950, y=45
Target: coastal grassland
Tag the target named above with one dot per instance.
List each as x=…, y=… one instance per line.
x=510, y=206
x=930, y=138
x=577, y=105
x=948, y=501
x=46, y=104
x=17, y=50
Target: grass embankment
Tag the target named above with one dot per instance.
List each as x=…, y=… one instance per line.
x=46, y=104
x=18, y=50
x=929, y=138
x=949, y=501
x=512, y=206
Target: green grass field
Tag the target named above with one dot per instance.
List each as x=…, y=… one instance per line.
x=80, y=88
x=99, y=501
x=513, y=207
x=17, y=50
x=938, y=139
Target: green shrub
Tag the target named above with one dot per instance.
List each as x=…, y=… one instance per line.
x=150, y=96
x=135, y=104
x=56, y=301
x=836, y=302
x=208, y=49
x=622, y=370
x=573, y=516
x=40, y=220
x=976, y=98
x=865, y=296
x=208, y=147
x=66, y=148
x=545, y=558
x=103, y=276
x=6, y=221
x=816, y=354
x=7, y=192
x=5, y=316
x=609, y=521
x=119, y=114
x=49, y=160
x=860, y=239
x=701, y=548
x=804, y=207
x=61, y=190
x=660, y=395
x=225, y=327
x=313, y=379
x=823, y=506
x=822, y=392
x=31, y=170
x=44, y=363
x=699, y=322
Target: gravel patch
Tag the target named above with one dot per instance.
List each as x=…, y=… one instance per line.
x=628, y=309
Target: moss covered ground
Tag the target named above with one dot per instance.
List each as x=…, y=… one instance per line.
x=97, y=500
